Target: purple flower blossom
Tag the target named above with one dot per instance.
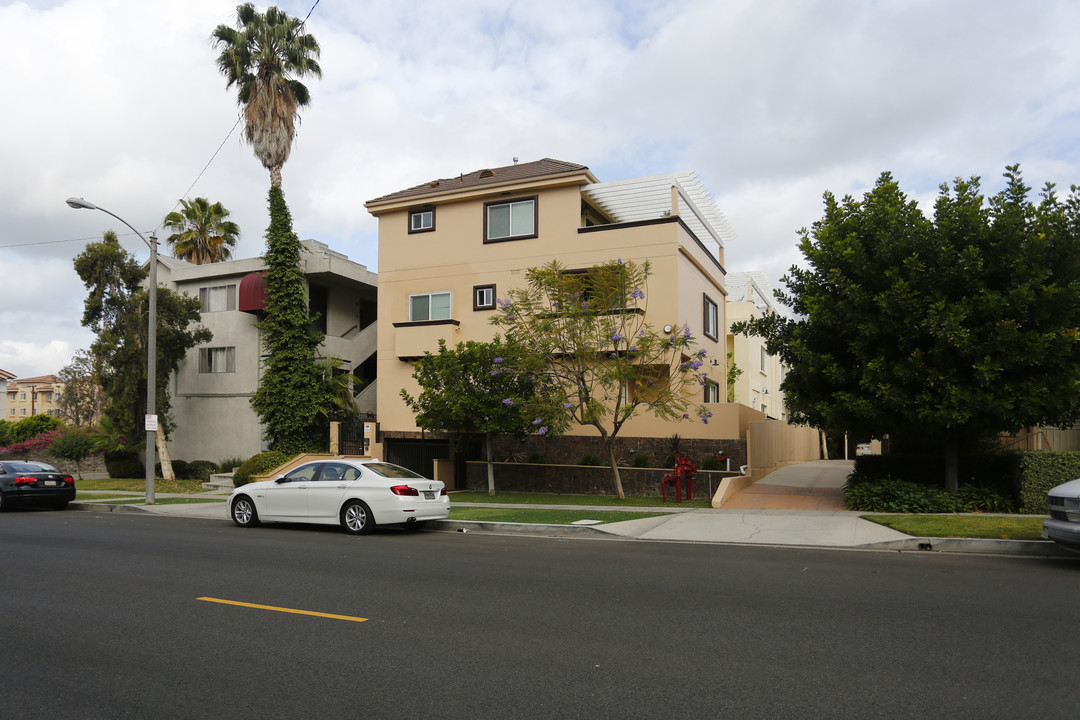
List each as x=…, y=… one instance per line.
x=508, y=401
x=497, y=360
x=568, y=406
x=542, y=431
x=637, y=294
x=616, y=337
x=537, y=421
x=686, y=332
x=694, y=365
x=495, y=372
x=620, y=261
x=686, y=416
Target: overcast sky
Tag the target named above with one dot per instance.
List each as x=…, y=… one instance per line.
x=771, y=102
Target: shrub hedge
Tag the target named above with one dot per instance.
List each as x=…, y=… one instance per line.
x=124, y=466
x=259, y=464
x=1041, y=470
x=201, y=470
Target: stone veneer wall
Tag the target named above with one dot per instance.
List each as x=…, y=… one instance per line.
x=93, y=464
x=586, y=480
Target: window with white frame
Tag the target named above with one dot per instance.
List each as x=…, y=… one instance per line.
x=218, y=298
x=429, y=306
x=22, y=395
x=217, y=360
x=422, y=220
x=510, y=220
x=764, y=359
x=710, y=318
x=483, y=297
x=712, y=392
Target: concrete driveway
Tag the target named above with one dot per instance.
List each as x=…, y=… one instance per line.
x=816, y=485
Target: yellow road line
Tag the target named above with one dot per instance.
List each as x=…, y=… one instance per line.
x=284, y=610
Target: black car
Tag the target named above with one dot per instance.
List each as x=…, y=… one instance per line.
x=34, y=483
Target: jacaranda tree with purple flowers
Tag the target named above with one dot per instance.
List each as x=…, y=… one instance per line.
x=586, y=334
x=481, y=388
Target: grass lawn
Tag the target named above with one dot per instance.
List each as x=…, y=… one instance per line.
x=139, y=485
x=993, y=527
x=462, y=496
x=94, y=497
x=544, y=517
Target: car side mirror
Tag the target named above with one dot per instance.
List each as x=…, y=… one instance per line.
x=280, y=479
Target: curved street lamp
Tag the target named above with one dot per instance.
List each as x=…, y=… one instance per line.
x=151, y=343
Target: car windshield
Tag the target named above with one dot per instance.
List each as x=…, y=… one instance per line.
x=392, y=471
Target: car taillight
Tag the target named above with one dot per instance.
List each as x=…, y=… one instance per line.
x=69, y=480
x=25, y=480
x=404, y=490
x=443, y=491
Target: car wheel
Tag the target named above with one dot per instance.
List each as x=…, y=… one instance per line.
x=60, y=505
x=356, y=518
x=243, y=512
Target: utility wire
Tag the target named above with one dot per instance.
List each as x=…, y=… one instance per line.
x=202, y=172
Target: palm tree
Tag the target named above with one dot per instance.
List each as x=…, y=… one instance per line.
x=203, y=232
x=263, y=56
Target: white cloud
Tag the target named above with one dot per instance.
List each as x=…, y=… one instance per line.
x=771, y=102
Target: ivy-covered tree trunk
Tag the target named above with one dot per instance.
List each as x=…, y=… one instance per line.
x=288, y=400
x=490, y=465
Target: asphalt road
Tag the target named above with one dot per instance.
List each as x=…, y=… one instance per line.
x=101, y=617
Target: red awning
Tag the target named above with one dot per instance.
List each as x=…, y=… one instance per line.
x=252, y=293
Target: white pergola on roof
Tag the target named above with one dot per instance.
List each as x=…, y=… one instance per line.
x=648, y=198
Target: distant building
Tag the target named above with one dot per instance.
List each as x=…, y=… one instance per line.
x=33, y=396
x=211, y=392
x=758, y=386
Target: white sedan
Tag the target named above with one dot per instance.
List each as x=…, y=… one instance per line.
x=357, y=494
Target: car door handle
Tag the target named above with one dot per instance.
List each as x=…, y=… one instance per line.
x=343, y=486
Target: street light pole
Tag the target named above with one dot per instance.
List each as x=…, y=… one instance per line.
x=151, y=343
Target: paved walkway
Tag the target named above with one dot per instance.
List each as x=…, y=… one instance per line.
x=817, y=485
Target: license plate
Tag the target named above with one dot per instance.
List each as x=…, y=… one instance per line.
x=429, y=494
x=50, y=482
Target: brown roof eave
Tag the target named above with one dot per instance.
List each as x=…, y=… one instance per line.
x=377, y=207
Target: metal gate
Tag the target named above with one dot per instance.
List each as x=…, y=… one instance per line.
x=417, y=455
x=351, y=436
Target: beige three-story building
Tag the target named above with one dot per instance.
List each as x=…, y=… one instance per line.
x=450, y=248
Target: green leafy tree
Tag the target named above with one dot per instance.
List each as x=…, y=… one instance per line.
x=586, y=333
x=116, y=310
x=81, y=401
x=264, y=55
x=482, y=388
x=75, y=446
x=338, y=387
x=31, y=427
x=734, y=372
x=945, y=331
x=202, y=233
x=290, y=396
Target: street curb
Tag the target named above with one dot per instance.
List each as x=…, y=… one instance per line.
x=1029, y=548
x=536, y=529
x=105, y=507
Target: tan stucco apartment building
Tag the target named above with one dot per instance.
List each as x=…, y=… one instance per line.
x=749, y=296
x=33, y=396
x=449, y=248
